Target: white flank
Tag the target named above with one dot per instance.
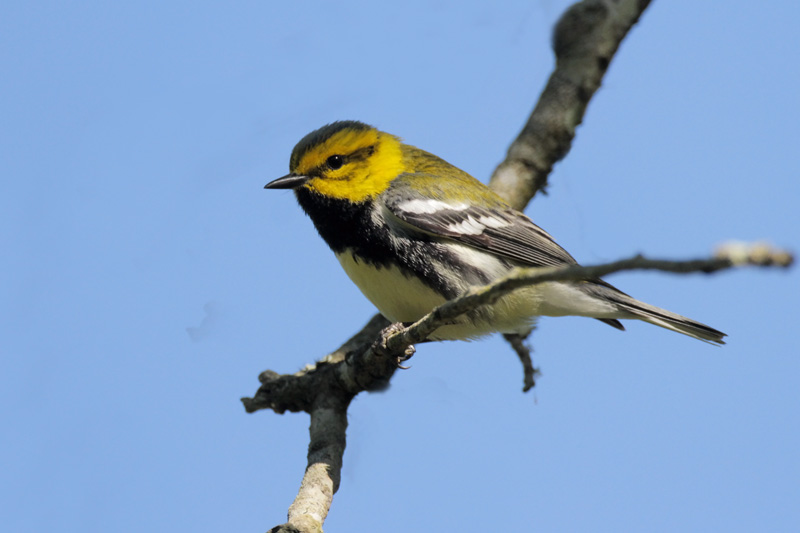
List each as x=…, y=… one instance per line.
x=566, y=299
x=485, y=262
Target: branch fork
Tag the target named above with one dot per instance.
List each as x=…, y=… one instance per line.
x=584, y=41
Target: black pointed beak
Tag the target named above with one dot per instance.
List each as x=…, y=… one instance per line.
x=289, y=181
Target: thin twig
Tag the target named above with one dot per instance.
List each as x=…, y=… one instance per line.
x=326, y=389
x=740, y=255
x=523, y=351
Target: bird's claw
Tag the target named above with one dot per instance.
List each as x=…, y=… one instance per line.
x=407, y=354
x=383, y=349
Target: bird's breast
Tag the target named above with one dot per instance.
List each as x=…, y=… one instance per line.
x=398, y=296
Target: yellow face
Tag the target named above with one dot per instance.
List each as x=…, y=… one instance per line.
x=352, y=162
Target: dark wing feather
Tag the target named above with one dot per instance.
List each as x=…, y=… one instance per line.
x=498, y=229
x=503, y=232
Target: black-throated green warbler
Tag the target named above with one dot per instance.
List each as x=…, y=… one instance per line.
x=413, y=231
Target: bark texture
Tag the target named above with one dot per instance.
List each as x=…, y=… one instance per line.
x=585, y=40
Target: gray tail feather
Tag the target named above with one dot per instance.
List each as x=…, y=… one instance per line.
x=666, y=319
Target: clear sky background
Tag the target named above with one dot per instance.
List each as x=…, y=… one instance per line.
x=147, y=278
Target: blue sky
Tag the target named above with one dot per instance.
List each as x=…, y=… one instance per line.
x=148, y=278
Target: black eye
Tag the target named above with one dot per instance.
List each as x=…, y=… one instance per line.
x=335, y=162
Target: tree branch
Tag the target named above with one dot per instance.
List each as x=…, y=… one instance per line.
x=326, y=389
x=323, y=473
x=529, y=372
x=727, y=256
x=585, y=40
x=365, y=364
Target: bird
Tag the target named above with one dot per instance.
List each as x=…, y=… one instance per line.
x=413, y=231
